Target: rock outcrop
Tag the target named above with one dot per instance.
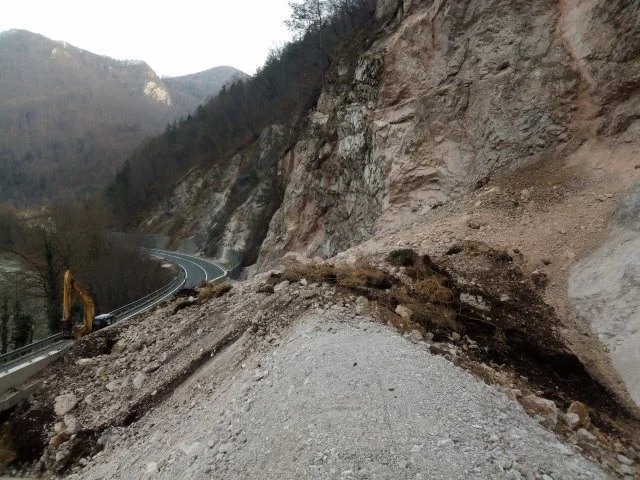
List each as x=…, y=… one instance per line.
x=416, y=119
x=604, y=289
x=450, y=94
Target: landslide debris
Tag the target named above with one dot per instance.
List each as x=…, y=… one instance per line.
x=477, y=307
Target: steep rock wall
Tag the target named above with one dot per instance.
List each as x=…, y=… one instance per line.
x=449, y=94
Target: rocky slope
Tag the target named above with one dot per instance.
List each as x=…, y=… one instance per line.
x=319, y=371
x=69, y=118
x=452, y=94
x=513, y=123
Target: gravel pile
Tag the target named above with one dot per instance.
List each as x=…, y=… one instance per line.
x=338, y=397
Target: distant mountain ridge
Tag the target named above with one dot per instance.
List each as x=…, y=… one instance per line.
x=69, y=117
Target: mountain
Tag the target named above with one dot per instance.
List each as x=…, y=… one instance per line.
x=196, y=88
x=69, y=117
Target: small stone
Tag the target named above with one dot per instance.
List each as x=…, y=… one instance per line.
x=362, y=300
x=113, y=386
x=581, y=410
x=71, y=424
x=118, y=347
x=260, y=374
x=512, y=393
x=414, y=336
x=585, y=438
x=542, y=407
x=627, y=470
x=152, y=367
x=570, y=254
x=504, y=297
x=83, y=362
x=303, y=282
x=151, y=470
x=624, y=460
x=139, y=380
x=225, y=448
x=404, y=312
x=476, y=223
x=281, y=286
x=58, y=427
x=65, y=403
x=573, y=420
x=455, y=336
x=58, y=440
x=546, y=261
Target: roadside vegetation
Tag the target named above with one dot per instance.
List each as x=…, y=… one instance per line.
x=39, y=248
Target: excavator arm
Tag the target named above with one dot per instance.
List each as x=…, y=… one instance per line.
x=69, y=330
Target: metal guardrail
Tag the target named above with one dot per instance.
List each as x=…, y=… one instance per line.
x=121, y=312
x=27, y=349
x=175, y=284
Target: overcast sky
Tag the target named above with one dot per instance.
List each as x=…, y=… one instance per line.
x=174, y=38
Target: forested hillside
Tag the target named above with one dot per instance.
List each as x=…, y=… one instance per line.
x=281, y=92
x=68, y=117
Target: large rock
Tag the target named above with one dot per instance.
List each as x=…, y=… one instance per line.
x=541, y=407
x=580, y=410
x=604, y=290
x=64, y=404
x=627, y=213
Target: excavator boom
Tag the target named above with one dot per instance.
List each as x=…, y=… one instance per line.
x=69, y=330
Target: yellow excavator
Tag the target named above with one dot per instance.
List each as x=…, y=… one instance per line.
x=69, y=330
x=91, y=322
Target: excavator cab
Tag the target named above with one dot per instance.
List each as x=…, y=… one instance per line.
x=69, y=329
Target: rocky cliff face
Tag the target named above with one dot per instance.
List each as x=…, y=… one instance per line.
x=451, y=94
x=508, y=122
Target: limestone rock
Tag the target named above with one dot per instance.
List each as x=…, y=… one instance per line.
x=64, y=404
x=573, y=420
x=542, y=407
x=71, y=424
x=139, y=380
x=404, y=312
x=580, y=409
x=118, y=347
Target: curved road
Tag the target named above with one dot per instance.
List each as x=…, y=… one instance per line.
x=198, y=269
x=16, y=372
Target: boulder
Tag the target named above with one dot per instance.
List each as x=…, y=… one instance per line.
x=580, y=409
x=64, y=404
x=139, y=380
x=541, y=407
x=404, y=312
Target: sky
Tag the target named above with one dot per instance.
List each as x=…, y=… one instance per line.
x=174, y=38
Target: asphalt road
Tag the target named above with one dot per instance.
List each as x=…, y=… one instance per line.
x=198, y=269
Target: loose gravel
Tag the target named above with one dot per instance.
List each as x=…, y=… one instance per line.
x=337, y=397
